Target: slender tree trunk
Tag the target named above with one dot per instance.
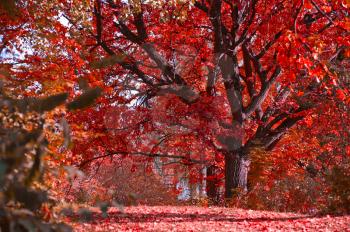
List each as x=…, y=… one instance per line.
x=212, y=184
x=236, y=173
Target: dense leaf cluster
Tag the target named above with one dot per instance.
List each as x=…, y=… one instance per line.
x=23, y=147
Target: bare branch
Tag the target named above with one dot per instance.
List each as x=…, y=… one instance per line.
x=252, y=11
x=321, y=11
x=269, y=45
x=275, y=136
x=260, y=98
x=186, y=160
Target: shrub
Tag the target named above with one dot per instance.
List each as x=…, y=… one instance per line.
x=124, y=182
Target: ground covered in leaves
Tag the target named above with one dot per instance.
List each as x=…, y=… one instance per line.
x=184, y=218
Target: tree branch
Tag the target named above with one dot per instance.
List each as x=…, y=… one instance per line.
x=269, y=45
x=252, y=11
x=186, y=160
x=260, y=98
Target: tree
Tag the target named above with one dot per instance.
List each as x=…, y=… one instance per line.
x=229, y=76
x=236, y=75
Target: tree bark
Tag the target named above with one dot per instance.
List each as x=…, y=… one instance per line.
x=212, y=187
x=236, y=173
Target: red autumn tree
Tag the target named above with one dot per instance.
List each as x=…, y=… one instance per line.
x=210, y=78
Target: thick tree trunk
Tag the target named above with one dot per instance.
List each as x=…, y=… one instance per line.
x=236, y=173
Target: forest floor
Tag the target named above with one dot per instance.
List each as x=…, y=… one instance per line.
x=191, y=218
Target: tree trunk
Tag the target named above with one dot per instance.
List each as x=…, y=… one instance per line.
x=212, y=184
x=236, y=173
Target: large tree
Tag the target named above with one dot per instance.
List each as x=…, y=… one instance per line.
x=210, y=79
x=247, y=71
x=228, y=75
